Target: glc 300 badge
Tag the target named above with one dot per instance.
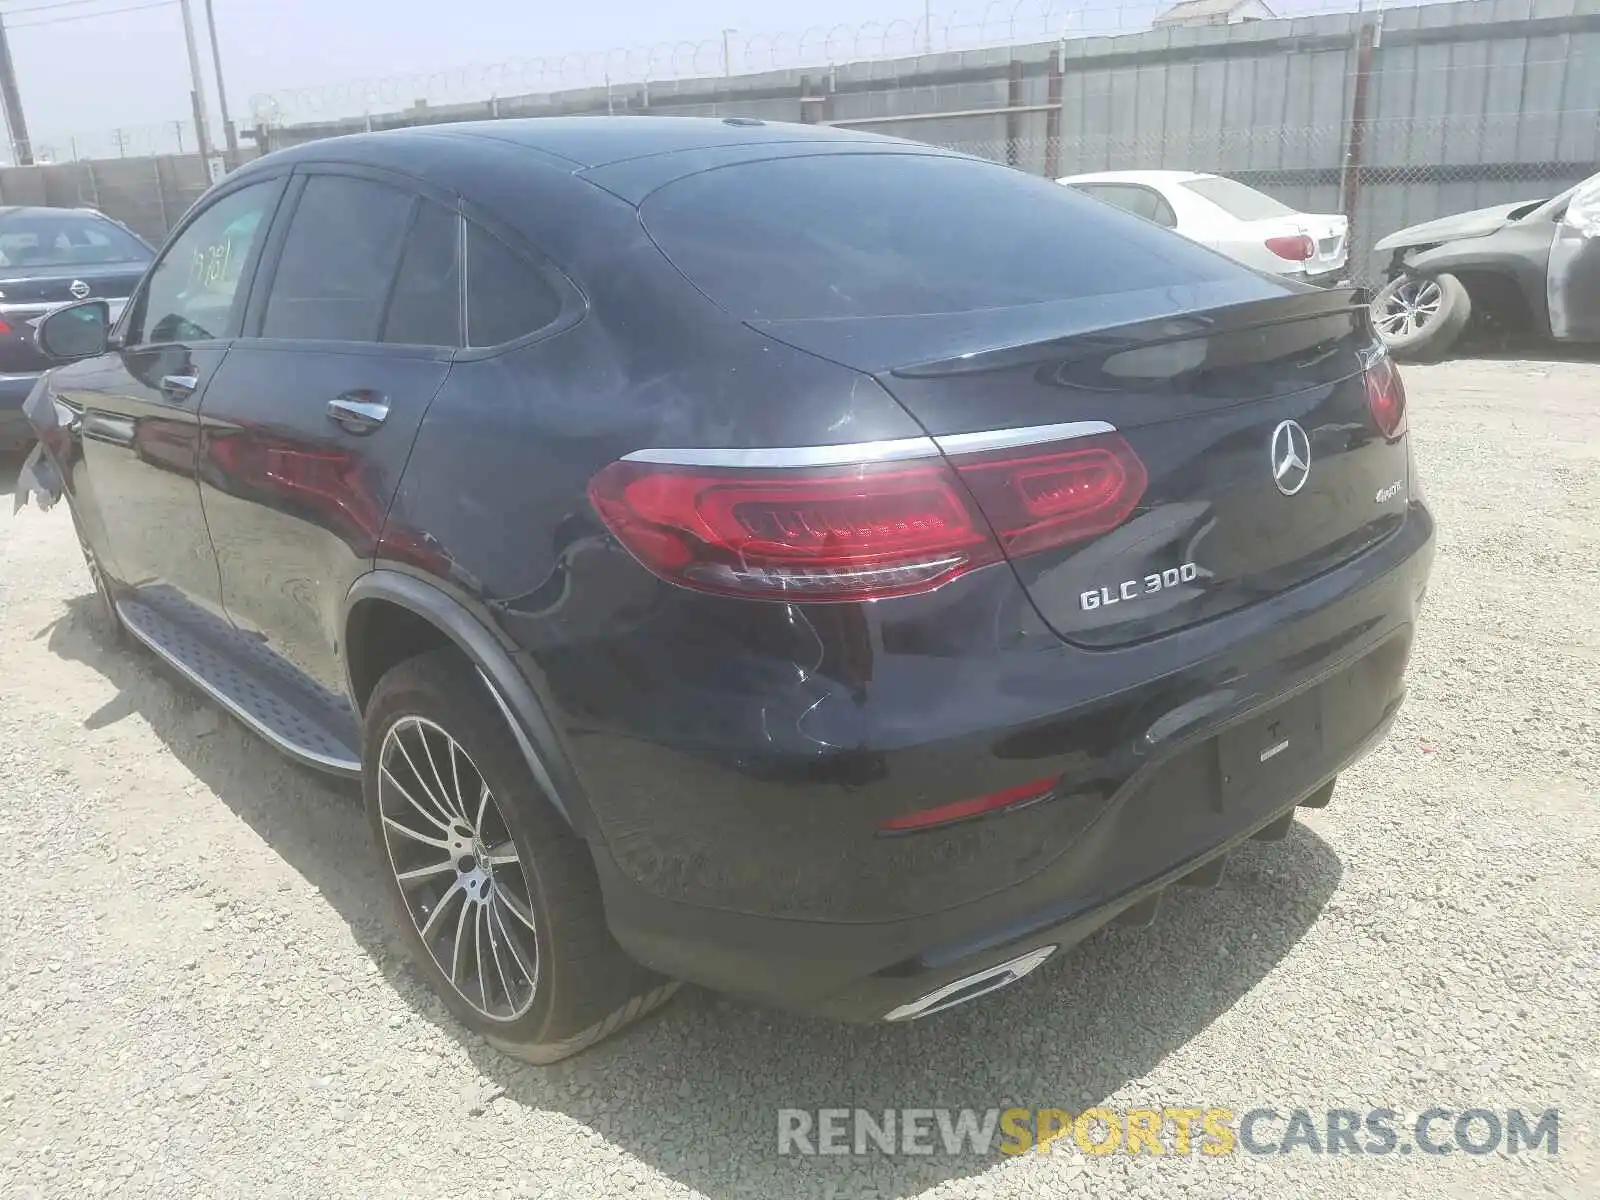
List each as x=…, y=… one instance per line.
x=1135, y=589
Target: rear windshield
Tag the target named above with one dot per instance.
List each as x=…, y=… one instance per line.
x=870, y=235
x=1237, y=200
x=65, y=240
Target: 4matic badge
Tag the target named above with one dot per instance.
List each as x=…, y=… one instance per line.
x=1135, y=589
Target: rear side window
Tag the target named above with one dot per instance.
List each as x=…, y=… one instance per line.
x=425, y=309
x=507, y=297
x=867, y=235
x=1238, y=200
x=1140, y=201
x=340, y=255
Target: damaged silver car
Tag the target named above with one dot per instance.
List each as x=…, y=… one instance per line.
x=1530, y=267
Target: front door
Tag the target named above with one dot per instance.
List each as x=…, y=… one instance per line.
x=351, y=330
x=138, y=405
x=1574, y=274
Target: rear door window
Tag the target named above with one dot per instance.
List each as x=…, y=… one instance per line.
x=425, y=309
x=868, y=235
x=339, y=259
x=1130, y=197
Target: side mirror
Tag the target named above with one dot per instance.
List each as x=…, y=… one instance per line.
x=76, y=331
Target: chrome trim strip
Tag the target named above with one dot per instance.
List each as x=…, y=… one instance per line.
x=992, y=979
x=327, y=763
x=1006, y=439
x=853, y=453
x=845, y=455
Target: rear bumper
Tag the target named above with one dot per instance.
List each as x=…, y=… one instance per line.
x=1337, y=277
x=1323, y=670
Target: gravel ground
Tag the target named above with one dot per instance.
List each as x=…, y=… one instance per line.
x=199, y=993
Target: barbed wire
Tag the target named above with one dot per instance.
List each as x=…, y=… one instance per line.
x=998, y=23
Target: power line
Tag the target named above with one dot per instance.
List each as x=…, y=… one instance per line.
x=33, y=8
x=108, y=12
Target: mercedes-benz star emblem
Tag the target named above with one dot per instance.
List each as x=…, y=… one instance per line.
x=78, y=288
x=1291, y=457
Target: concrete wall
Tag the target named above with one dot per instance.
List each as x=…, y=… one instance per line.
x=148, y=195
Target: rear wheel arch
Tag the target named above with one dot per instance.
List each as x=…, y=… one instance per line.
x=390, y=617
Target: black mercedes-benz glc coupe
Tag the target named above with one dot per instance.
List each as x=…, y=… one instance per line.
x=821, y=567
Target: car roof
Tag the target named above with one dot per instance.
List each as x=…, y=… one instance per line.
x=1148, y=178
x=586, y=142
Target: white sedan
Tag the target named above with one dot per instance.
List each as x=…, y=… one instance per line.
x=1229, y=216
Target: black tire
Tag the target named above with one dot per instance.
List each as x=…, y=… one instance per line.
x=584, y=987
x=1420, y=317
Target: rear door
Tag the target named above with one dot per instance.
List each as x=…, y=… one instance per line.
x=1068, y=355
x=306, y=427
x=1574, y=273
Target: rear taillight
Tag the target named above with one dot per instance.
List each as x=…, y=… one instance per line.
x=5, y=327
x=1386, y=397
x=965, y=810
x=864, y=531
x=1055, y=496
x=1296, y=247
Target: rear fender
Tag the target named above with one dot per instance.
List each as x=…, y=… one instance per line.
x=535, y=733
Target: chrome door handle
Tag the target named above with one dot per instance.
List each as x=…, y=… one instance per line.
x=358, y=412
x=179, y=387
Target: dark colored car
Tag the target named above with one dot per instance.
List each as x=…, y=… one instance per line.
x=1528, y=268
x=50, y=257
x=821, y=567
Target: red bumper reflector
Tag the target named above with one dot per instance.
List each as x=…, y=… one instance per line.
x=962, y=810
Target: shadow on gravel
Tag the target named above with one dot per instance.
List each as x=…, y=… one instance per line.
x=1519, y=347
x=694, y=1092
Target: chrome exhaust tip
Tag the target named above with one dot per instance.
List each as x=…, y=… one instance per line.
x=981, y=983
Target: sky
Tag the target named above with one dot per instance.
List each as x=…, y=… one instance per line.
x=96, y=75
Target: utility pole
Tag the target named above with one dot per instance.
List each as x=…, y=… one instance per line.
x=196, y=83
x=16, y=123
x=229, y=134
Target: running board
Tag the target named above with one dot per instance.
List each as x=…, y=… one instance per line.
x=254, y=685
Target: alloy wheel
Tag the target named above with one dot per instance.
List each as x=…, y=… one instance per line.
x=1409, y=306
x=462, y=878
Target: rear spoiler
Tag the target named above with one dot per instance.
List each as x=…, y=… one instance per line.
x=1101, y=343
